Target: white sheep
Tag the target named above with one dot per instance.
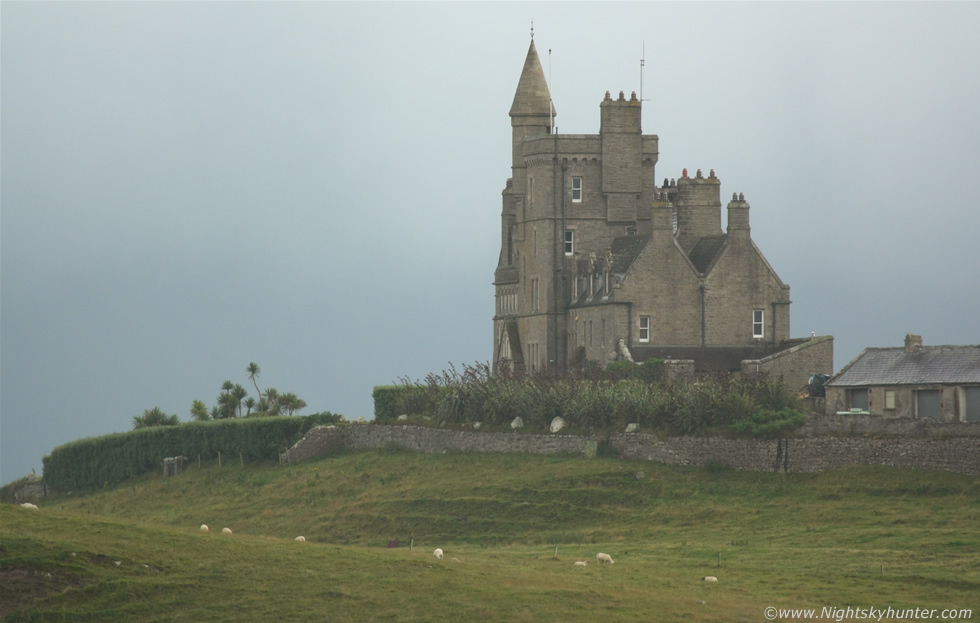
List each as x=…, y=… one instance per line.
x=301, y=539
x=29, y=505
x=226, y=531
x=204, y=527
x=581, y=563
x=604, y=558
x=709, y=578
x=437, y=553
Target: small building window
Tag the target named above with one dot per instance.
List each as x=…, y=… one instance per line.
x=631, y=230
x=758, y=323
x=890, y=399
x=569, y=242
x=858, y=398
x=644, y=328
x=576, y=189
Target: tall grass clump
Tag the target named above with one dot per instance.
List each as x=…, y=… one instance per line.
x=604, y=400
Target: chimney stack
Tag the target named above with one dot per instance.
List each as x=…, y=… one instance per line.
x=913, y=343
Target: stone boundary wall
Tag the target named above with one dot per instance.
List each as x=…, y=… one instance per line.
x=318, y=442
x=801, y=454
x=31, y=491
x=877, y=425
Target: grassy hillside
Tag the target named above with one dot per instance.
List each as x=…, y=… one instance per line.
x=789, y=541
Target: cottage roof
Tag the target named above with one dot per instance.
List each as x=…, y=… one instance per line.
x=532, y=96
x=917, y=366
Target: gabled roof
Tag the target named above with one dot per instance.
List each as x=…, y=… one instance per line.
x=532, y=96
x=705, y=250
x=930, y=365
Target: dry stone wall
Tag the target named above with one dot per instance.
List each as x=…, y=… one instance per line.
x=954, y=448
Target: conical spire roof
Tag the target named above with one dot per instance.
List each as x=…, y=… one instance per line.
x=533, y=96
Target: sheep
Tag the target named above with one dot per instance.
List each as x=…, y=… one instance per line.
x=29, y=505
x=226, y=531
x=437, y=553
x=204, y=527
x=301, y=539
x=581, y=563
x=709, y=578
x=604, y=558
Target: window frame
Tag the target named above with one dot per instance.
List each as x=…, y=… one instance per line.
x=758, y=324
x=569, y=244
x=578, y=192
x=644, y=332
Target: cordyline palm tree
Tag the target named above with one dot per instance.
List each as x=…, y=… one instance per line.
x=291, y=402
x=199, y=411
x=272, y=398
x=254, y=370
x=238, y=394
x=249, y=404
x=154, y=417
x=226, y=404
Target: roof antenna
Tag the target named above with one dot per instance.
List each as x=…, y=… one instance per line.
x=551, y=101
x=642, y=65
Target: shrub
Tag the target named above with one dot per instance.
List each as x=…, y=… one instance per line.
x=386, y=402
x=770, y=423
x=620, y=370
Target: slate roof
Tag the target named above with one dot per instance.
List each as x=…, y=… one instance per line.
x=931, y=365
x=705, y=250
x=625, y=249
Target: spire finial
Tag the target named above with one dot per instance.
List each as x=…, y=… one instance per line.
x=532, y=30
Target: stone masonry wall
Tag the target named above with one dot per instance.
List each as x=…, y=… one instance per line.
x=955, y=449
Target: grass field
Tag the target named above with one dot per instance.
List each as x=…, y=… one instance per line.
x=862, y=537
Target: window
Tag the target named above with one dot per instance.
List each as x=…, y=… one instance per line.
x=890, y=399
x=576, y=189
x=859, y=398
x=569, y=242
x=758, y=323
x=631, y=230
x=928, y=404
x=644, y=328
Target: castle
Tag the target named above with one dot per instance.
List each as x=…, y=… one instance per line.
x=598, y=262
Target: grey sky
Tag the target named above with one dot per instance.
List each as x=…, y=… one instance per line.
x=188, y=187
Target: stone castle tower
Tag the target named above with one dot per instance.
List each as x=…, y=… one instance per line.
x=598, y=262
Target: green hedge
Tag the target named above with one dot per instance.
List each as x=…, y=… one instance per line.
x=386, y=401
x=97, y=461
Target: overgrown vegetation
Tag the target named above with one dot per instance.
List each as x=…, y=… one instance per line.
x=232, y=402
x=598, y=401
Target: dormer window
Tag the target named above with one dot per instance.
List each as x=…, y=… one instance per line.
x=576, y=190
